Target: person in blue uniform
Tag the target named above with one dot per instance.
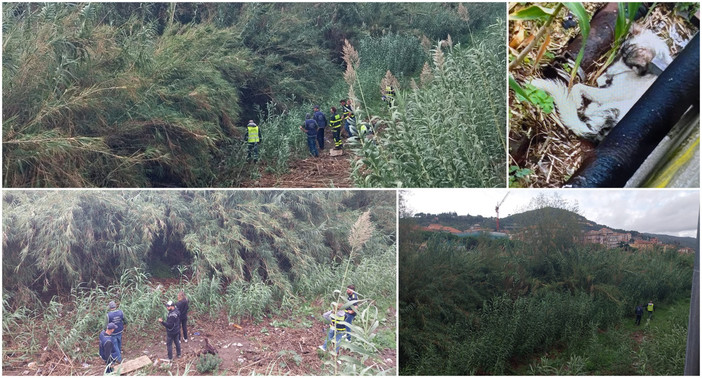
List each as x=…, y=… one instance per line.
x=107, y=349
x=310, y=128
x=116, y=317
x=321, y=120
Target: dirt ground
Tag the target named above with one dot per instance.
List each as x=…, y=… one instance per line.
x=252, y=349
x=275, y=346
x=325, y=171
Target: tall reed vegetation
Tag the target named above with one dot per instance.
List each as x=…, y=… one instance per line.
x=150, y=95
x=484, y=306
x=447, y=131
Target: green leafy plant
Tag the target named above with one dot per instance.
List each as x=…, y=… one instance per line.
x=537, y=97
x=208, y=363
x=517, y=174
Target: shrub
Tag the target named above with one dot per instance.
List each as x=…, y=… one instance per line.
x=208, y=362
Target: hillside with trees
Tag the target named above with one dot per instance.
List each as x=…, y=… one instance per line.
x=516, y=222
x=157, y=94
x=270, y=262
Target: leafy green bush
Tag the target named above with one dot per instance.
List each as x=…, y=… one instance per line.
x=447, y=133
x=208, y=363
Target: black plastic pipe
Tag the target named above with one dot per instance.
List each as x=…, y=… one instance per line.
x=601, y=36
x=626, y=147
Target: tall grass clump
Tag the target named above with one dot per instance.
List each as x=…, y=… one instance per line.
x=450, y=131
x=248, y=299
x=90, y=104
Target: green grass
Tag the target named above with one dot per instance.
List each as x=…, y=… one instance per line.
x=617, y=351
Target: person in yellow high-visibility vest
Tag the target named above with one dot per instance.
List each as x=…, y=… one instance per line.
x=649, y=308
x=389, y=96
x=337, y=329
x=253, y=137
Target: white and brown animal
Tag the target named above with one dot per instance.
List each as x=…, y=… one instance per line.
x=591, y=112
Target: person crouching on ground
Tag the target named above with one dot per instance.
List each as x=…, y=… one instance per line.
x=172, y=325
x=337, y=329
x=310, y=128
x=108, y=350
x=182, y=306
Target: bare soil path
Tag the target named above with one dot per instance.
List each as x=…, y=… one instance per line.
x=325, y=171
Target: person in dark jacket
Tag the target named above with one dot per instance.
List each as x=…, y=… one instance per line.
x=182, y=306
x=253, y=138
x=116, y=317
x=639, y=313
x=321, y=120
x=335, y=121
x=310, y=128
x=351, y=311
x=107, y=350
x=172, y=325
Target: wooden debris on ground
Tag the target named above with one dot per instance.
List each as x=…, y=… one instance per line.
x=129, y=366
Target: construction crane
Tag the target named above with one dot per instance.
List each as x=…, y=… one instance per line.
x=497, y=211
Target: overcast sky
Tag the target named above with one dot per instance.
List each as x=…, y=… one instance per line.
x=670, y=212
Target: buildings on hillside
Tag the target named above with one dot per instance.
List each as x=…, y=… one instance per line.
x=606, y=237
x=603, y=236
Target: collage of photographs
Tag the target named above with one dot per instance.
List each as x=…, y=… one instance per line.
x=350, y=188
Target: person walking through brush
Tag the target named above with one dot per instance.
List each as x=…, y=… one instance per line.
x=253, y=138
x=389, y=96
x=321, y=120
x=182, y=306
x=335, y=121
x=639, y=312
x=107, y=349
x=310, y=128
x=351, y=312
x=349, y=117
x=116, y=317
x=337, y=329
x=649, y=308
x=172, y=325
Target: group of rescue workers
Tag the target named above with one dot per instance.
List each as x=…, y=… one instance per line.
x=111, y=347
x=316, y=122
x=111, y=338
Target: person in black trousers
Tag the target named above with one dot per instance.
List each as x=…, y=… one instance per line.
x=172, y=325
x=108, y=350
x=182, y=306
x=321, y=120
